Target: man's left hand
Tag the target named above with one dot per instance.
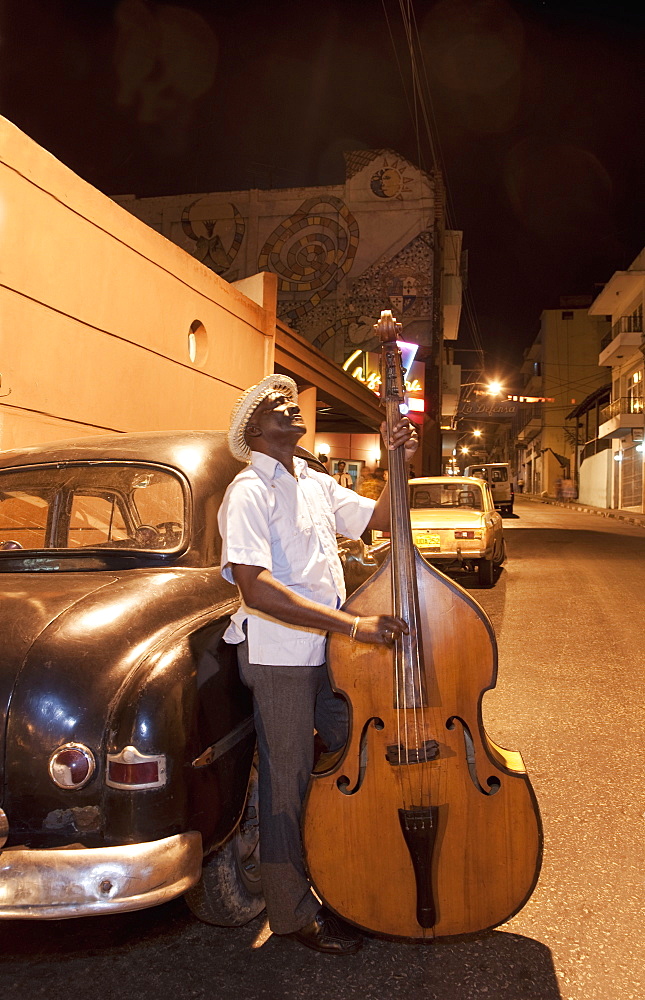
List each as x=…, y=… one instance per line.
x=404, y=433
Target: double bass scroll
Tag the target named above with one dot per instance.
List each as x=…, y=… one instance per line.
x=424, y=827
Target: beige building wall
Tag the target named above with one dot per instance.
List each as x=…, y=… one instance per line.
x=562, y=365
x=104, y=324
x=623, y=350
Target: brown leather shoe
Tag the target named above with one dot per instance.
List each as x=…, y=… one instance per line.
x=328, y=934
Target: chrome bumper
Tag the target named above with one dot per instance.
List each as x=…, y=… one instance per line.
x=82, y=882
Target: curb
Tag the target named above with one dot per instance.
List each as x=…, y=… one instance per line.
x=618, y=515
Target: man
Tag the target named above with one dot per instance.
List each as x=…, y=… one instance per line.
x=343, y=477
x=278, y=522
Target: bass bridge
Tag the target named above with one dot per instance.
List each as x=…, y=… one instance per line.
x=398, y=754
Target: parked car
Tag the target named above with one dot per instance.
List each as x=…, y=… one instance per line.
x=454, y=524
x=127, y=764
x=498, y=477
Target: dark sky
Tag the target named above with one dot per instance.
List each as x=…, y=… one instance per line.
x=538, y=109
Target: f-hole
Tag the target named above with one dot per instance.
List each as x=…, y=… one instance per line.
x=342, y=783
x=493, y=782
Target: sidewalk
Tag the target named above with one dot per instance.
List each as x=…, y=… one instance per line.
x=620, y=515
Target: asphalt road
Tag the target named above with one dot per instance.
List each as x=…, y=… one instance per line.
x=568, y=612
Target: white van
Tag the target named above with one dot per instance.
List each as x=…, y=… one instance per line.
x=498, y=477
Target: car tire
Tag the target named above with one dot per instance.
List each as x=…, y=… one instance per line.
x=229, y=892
x=502, y=554
x=486, y=572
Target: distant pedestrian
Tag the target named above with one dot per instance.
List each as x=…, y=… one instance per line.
x=343, y=478
x=520, y=484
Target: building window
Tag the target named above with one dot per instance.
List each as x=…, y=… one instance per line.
x=635, y=392
x=567, y=314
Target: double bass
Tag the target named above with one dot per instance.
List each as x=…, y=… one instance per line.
x=424, y=827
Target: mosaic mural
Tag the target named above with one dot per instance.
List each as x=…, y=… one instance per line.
x=314, y=248
x=310, y=252
x=404, y=282
x=209, y=248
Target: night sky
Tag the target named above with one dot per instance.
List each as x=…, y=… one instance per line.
x=538, y=109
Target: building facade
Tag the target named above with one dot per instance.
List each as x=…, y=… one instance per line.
x=341, y=254
x=107, y=326
x=621, y=351
x=561, y=366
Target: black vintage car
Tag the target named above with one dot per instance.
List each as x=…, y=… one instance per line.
x=127, y=765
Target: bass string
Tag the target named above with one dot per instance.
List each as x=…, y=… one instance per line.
x=407, y=656
x=404, y=570
x=400, y=692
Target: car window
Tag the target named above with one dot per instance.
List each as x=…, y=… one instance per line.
x=99, y=505
x=95, y=520
x=23, y=520
x=499, y=475
x=450, y=494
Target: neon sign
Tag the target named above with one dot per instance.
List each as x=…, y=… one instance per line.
x=371, y=377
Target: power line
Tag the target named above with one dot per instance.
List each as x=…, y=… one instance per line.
x=421, y=111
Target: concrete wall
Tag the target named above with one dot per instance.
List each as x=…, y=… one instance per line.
x=365, y=448
x=566, y=353
x=595, y=479
x=97, y=312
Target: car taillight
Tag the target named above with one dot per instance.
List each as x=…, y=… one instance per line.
x=71, y=765
x=468, y=534
x=132, y=769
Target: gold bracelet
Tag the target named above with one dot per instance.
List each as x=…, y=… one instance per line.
x=352, y=631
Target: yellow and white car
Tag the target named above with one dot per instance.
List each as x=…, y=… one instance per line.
x=454, y=524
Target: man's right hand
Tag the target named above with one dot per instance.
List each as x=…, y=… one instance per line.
x=381, y=630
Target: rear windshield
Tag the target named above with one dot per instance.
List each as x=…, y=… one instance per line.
x=492, y=475
x=434, y=495
x=102, y=505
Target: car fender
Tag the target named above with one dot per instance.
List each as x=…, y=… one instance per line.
x=187, y=703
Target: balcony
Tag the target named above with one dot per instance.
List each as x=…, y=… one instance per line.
x=532, y=423
x=621, y=417
x=622, y=339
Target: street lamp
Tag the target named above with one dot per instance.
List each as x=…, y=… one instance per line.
x=494, y=388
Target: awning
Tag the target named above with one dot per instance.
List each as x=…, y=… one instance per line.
x=348, y=405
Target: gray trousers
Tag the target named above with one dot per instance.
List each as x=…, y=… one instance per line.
x=288, y=703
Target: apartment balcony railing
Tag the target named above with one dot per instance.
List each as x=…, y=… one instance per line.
x=626, y=404
x=594, y=447
x=527, y=422
x=626, y=324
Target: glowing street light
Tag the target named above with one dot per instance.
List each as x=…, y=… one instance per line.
x=465, y=450
x=477, y=433
x=494, y=388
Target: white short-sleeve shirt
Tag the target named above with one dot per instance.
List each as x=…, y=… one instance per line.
x=288, y=524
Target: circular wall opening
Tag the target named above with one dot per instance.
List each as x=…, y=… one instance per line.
x=197, y=343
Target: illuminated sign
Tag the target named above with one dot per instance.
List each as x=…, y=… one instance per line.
x=365, y=368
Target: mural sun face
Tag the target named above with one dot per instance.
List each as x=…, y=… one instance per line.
x=388, y=182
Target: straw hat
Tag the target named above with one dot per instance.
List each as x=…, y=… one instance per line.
x=248, y=403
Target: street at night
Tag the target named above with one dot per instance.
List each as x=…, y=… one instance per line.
x=566, y=609
x=287, y=291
